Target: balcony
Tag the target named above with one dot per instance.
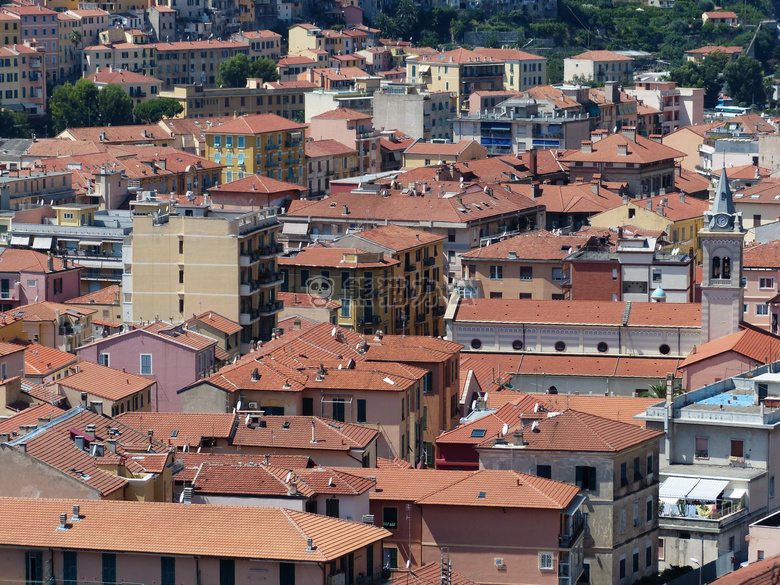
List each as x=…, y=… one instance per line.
x=429, y=261
x=246, y=289
x=576, y=528
x=717, y=513
x=401, y=323
x=420, y=318
x=246, y=318
x=293, y=160
x=439, y=311
x=410, y=268
x=271, y=164
x=272, y=145
x=268, y=251
x=35, y=63
x=270, y=279
x=270, y=308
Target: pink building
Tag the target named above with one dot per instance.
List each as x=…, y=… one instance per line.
x=350, y=127
x=39, y=24
x=172, y=356
x=27, y=277
x=32, y=77
x=761, y=269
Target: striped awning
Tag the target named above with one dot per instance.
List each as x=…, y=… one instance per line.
x=41, y=243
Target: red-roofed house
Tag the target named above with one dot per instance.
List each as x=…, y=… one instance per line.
x=617, y=467
x=119, y=391
x=139, y=87
x=727, y=18
x=255, y=191
x=350, y=127
x=62, y=327
x=172, y=357
x=328, y=160
x=422, y=154
x=761, y=268
x=224, y=331
x=598, y=66
x=27, y=276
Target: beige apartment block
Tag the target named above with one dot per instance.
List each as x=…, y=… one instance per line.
x=180, y=266
x=522, y=70
x=598, y=66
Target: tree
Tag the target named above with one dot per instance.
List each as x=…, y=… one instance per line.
x=745, y=81
x=708, y=75
x=234, y=71
x=385, y=24
x=75, y=38
x=265, y=69
x=116, y=107
x=492, y=41
x=406, y=19
x=75, y=106
x=14, y=124
x=152, y=111
x=429, y=38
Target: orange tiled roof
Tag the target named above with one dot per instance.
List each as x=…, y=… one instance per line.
x=193, y=460
x=396, y=463
x=179, y=334
x=40, y=360
x=295, y=432
x=753, y=343
x=257, y=184
x=436, y=148
x=257, y=124
x=21, y=260
x=318, y=255
x=289, y=323
x=709, y=49
x=430, y=574
x=720, y=15
x=105, y=382
x=747, y=124
x=217, y=321
x=601, y=56
x=763, y=572
x=509, y=54
x=641, y=151
x=538, y=245
x=342, y=114
x=460, y=56
x=673, y=208
x=172, y=529
x=197, y=45
x=49, y=311
x=330, y=147
x=399, y=238
x=27, y=417
x=414, y=348
x=765, y=255
x=744, y=172
x=120, y=76
x=55, y=147
x=105, y=296
x=181, y=428
x=40, y=393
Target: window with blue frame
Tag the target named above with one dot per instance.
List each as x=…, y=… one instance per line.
x=228, y=142
x=241, y=142
x=217, y=141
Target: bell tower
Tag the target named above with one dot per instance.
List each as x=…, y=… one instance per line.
x=721, y=240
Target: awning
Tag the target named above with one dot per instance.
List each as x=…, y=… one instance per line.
x=41, y=243
x=675, y=488
x=30, y=105
x=708, y=490
x=424, y=69
x=295, y=229
x=734, y=493
x=90, y=243
x=88, y=263
x=20, y=240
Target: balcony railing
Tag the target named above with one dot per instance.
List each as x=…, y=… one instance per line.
x=429, y=261
x=567, y=540
x=411, y=267
x=716, y=510
x=439, y=311
x=270, y=308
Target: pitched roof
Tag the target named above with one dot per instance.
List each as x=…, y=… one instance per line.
x=48, y=311
x=216, y=321
x=744, y=172
x=27, y=417
x=538, y=245
x=720, y=15
x=22, y=260
x=172, y=529
x=190, y=45
x=181, y=428
x=430, y=574
x=509, y=54
x=459, y=56
x=579, y=312
x=257, y=184
x=414, y=348
x=766, y=191
x=398, y=463
x=398, y=238
x=601, y=56
x=342, y=114
x=295, y=432
x=105, y=382
x=179, y=334
x=438, y=148
x=319, y=255
x=577, y=198
x=745, y=124
x=40, y=360
x=754, y=343
x=257, y=124
x=330, y=147
x=192, y=460
x=109, y=295
x=766, y=255
x=641, y=151
x=709, y=49
x=673, y=208
x=107, y=75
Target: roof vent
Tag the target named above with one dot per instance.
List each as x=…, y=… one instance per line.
x=76, y=516
x=63, y=521
x=512, y=255
x=309, y=545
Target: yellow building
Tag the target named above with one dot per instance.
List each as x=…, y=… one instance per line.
x=422, y=154
x=679, y=216
x=139, y=87
x=188, y=62
x=360, y=280
x=186, y=265
x=130, y=56
x=460, y=71
x=265, y=144
x=416, y=294
x=61, y=5
x=304, y=36
x=9, y=28
x=522, y=70
x=255, y=98
x=70, y=53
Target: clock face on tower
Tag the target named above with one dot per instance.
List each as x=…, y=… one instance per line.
x=721, y=221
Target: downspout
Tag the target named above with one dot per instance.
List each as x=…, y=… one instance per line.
x=668, y=414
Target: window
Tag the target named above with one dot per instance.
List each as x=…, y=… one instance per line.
x=390, y=558
x=109, y=568
x=57, y=286
x=585, y=478
x=338, y=409
x=307, y=407
x=361, y=410
x=737, y=447
x=614, y=274
x=332, y=507
x=286, y=573
x=241, y=142
x=622, y=567
x=228, y=142
x=602, y=347
x=476, y=344
x=544, y=471
x=649, y=469
x=217, y=141
x=517, y=345
x=546, y=561
x=622, y=521
x=637, y=472
x=762, y=309
x=760, y=555
x=649, y=555
x=702, y=448
x=766, y=283
x=146, y=364
x=557, y=274
x=664, y=349
x=772, y=486
x=660, y=549
x=635, y=562
x=390, y=518
x=69, y=568
x=526, y=273
x=33, y=567
x=496, y=272
x=560, y=346
x=649, y=511
x=623, y=474
x=428, y=383
x=346, y=308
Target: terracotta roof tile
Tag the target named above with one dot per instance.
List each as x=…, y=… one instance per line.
x=744, y=172
x=430, y=574
x=181, y=428
x=396, y=463
x=173, y=529
x=509, y=54
x=40, y=360
x=257, y=124
x=21, y=260
x=342, y=114
x=459, y=56
x=601, y=56
x=437, y=148
x=179, y=334
x=399, y=348
x=538, y=245
x=109, y=295
x=40, y=393
x=257, y=184
x=295, y=432
x=641, y=151
x=120, y=76
x=330, y=147
x=398, y=238
x=48, y=311
x=753, y=343
x=190, y=45
x=105, y=382
x=746, y=124
x=27, y=417
x=765, y=255
x=709, y=49
x=721, y=15
x=319, y=255
x=193, y=460
x=763, y=572
x=217, y=321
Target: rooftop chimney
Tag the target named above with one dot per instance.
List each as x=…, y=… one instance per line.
x=5, y=437
x=587, y=147
x=63, y=521
x=517, y=438
x=76, y=516
x=629, y=132
x=622, y=149
x=682, y=196
x=84, y=399
x=111, y=444
x=309, y=545
x=594, y=187
x=532, y=162
x=187, y=496
x=96, y=406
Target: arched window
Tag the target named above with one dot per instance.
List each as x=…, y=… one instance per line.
x=726, y=267
x=716, y=267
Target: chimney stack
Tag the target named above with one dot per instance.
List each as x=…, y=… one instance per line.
x=63, y=521
x=629, y=132
x=517, y=438
x=84, y=396
x=96, y=406
x=76, y=516
x=587, y=147
x=622, y=149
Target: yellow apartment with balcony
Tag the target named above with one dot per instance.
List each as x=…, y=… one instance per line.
x=265, y=144
x=179, y=266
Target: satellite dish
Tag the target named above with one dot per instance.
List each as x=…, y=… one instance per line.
x=238, y=405
x=246, y=421
x=504, y=429
x=289, y=476
x=333, y=332
x=536, y=407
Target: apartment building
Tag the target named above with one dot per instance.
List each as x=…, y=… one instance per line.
x=415, y=290
x=56, y=325
x=91, y=23
x=177, y=266
x=9, y=28
x=422, y=114
x=70, y=52
x=256, y=98
x=760, y=270
x=123, y=55
x=262, y=144
x=423, y=154
x=188, y=62
x=139, y=87
x=328, y=160
x=460, y=71
x=680, y=106
x=263, y=44
x=38, y=26
x=305, y=36
x=522, y=70
x=598, y=66
x=27, y=276
x=23, y=78
x=350, y=127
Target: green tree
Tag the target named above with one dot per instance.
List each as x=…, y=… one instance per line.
x=441, y=19
x=385, y=24
x=264, y=69
x=75, y=106
x=75, y=38
x=492, y=41
x=152, y=111
x=234, y=71
x=116, y=107
x=406, y=19
x=707, y=75
x=429, y=38
x=745, y=81
x=14, y=124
